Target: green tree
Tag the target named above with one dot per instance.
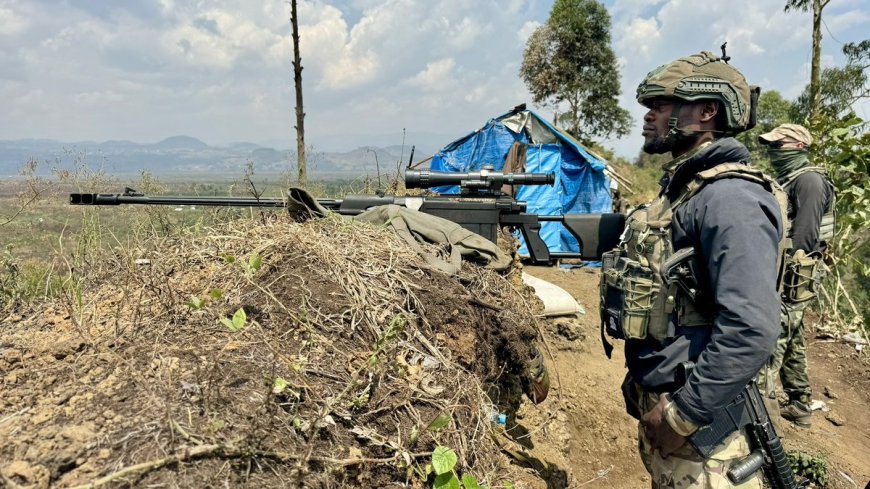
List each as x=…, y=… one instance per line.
x=842, y=146
x=568, y=65
x=840, y=88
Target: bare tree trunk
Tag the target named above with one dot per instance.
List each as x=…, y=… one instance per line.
x=815, y=69
x=297, y=80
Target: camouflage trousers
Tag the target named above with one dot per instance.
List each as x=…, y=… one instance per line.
x=789, y=361
x=685, y=469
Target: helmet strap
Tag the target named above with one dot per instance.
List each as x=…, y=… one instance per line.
x=674, y=132
x=678, y=133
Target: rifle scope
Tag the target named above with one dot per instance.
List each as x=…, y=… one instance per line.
x=479, y=180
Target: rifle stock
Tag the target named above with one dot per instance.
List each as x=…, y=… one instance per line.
x=746, y=412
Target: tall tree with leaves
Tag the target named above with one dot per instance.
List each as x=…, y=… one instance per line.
x=300, y=114
x=817, y=7
x=568, y=64
x=839, y=87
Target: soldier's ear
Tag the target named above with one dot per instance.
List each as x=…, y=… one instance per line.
x=709, y=110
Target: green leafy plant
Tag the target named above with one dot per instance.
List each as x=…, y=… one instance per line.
x=440, y=421
x=811, y=467
x=280, y=387
x=443, y=462
x=843, y=148
x=216, y=424
x=196, y=304
x=434, y=426
x=469, y=482
x=238, y=321
x=396, y=326
x=253, y=264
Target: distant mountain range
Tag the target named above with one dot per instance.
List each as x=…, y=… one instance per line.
x=179, y=155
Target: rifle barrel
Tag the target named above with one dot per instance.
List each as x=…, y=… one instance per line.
x=118, y=199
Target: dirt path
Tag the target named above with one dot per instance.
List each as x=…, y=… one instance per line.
x=583, y=429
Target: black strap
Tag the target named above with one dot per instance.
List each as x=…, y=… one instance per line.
x=608, y=348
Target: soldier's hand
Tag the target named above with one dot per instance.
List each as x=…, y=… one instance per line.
x=659, y=432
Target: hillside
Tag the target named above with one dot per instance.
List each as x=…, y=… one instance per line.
x=180, y=155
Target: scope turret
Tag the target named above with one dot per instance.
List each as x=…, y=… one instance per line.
x=485, y=179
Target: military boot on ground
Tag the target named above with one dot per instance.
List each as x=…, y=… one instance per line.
x=798, y=412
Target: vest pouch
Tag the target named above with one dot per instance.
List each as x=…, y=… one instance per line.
x=627, y=294
x=801, y=278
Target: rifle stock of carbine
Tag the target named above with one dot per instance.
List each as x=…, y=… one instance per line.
x=748, y=413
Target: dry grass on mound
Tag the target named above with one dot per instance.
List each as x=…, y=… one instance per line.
x=350, y=356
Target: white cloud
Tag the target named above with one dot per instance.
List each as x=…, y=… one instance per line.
x=527, y=30
x=436, y=76
x=221, y=69
x=632, y=6
x=11, y=22
x=463, y=35
x=837, y=22
x=639, y=37
x=351, y=69
x=96, y=99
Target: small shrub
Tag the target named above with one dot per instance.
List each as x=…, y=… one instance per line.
x=814, y=468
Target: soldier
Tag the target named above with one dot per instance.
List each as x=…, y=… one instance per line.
x=719, y=221
x=810, y=225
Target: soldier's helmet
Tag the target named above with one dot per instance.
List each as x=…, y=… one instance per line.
x=704, y=76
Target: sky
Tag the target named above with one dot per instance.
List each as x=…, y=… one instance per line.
x=221, y=70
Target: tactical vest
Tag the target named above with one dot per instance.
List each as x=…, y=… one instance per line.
x=826, y=230
x=644, y=281
x=804, y=272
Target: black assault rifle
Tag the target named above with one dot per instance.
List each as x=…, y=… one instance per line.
x=481, y=207
x=746, y=412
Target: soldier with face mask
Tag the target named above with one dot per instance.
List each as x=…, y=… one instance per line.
x=810, y=226
x=716, y=226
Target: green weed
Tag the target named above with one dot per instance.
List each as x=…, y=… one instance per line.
x=811, y=467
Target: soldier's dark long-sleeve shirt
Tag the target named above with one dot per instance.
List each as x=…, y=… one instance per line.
x=808, y=197
x=735, y=226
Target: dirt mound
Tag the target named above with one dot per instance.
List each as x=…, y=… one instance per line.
x=321, y=354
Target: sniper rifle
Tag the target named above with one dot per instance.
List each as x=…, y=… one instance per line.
x=482, y=206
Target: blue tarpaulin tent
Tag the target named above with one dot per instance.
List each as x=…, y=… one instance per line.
x=581, y=186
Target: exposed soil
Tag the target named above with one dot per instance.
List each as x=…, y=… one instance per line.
x=584, y=431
